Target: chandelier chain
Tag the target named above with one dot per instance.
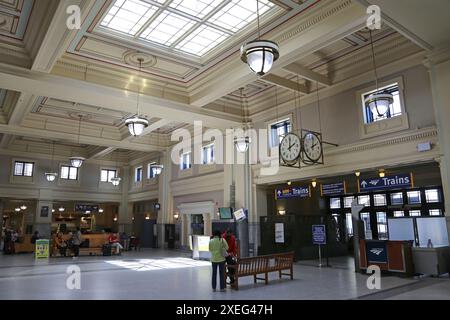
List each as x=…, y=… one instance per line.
x=373, y=60
x=318, y=106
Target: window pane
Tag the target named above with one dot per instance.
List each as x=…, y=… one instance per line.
x=104, y=176
x=435, y=212
x=348, y=202
x=365, y=200
x=28, y=169
x=414, y=213
x=335, y=203
x=398, y=214
x=18, y=168
x=394, y=109
x=349, y=224
x=64, y=172
x=278, y=131
x=111, y=174
x=382, y=226
x=73, y=173
x=396, y=198
x=413, y=197
x=432, y=195
x=365, y=216
x=138, y=174
x=379, y=199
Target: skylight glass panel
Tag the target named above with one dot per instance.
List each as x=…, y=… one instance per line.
x=237, y=14
x=202, y=40
x=167, y=28
x=128, y=16
x=196, y=8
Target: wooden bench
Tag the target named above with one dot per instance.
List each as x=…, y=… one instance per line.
x=262, y=265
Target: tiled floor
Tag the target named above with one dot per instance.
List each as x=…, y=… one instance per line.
x=158, y=274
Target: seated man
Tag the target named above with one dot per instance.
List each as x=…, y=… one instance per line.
x=114, y=242
x=61, y=245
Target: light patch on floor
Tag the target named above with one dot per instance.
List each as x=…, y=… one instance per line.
x=158, y=264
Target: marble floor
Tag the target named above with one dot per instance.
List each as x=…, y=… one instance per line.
x=162, y=274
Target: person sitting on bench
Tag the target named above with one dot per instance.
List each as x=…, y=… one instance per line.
x=114, y=242
x=61, y=245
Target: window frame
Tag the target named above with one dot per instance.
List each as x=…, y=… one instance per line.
x=212, y=147
x=136, y=170
x=182, y=163
x=107, y=175
x=284, y=120
x=68, y=172
x=24, y=163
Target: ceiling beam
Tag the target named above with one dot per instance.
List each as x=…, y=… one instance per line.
x=74, y=138
x=101, y=152
x=307, y=74
x=285, y=83
x=48, y=85
x=23, y=106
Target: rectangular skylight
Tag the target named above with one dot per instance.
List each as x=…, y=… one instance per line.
x=237, y=14
x=167, y=28
x=128, y=16
x=202, y=40
x=196, y=8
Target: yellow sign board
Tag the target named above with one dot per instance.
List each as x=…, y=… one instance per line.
x=42, y=249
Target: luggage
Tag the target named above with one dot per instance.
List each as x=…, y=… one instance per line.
x=107, y=250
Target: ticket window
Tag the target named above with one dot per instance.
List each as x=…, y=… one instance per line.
x=197, y=224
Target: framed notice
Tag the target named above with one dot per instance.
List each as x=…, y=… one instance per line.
x=279, y=232
x=44, y=212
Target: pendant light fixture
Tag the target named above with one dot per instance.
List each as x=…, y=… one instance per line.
x=137, y=124
x=242, y=143
x=77, y=161
x=157, y=168
x=259, y=54
x=51, y=176
x=116, y=180
x=23, y=207
x=379, y=101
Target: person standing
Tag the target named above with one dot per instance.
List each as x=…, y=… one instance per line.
x=232, y=253
x=218, y=248
x=76, y=242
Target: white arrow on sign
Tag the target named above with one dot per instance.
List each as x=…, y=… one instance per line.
x=364, y=184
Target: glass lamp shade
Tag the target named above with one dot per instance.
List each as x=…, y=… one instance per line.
x=260, y=55
x=76, y=161
x=115, y=181
x=242, y=144
x=100, y=210
x=17, y=209
x=136, y=125
x=50, y=176
x=157, y=169
x=23, y=207
x=379, y=103
x=61, y=209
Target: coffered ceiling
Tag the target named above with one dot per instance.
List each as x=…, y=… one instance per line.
x=14, y=17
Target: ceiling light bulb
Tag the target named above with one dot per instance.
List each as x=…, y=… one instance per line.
x=281, y=212
x=50, y=176
x=381, y=173
x=88, y=211
x=242, y=144
x=17, y=209
x=115, y=218
x=53, y=210
x=136, y=125
x=314, y=183
x=23, y=207
x=260, y=55
x=100, y=210
x=61, y=209
x=76, y=161
x=289, y=182
x=357, y=173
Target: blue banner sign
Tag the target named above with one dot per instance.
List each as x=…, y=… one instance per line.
x=332, y=189
x=376, y=251
x=292, y=192
x=386, y=183
x=319, y=235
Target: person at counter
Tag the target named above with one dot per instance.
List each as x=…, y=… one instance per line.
x=218, y=248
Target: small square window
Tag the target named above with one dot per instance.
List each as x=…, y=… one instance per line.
x=399, y=214
x=278, y=130
x=414, y=197
x=106, y=175
x=382, y=226
x=435, y=212
x=364, y=200
x=348, y=202
x=24, y=169
x=376, y=114
x=185, y=161
x=208, y=154
x=414, y=213
x=69, y=173
x=379, y=199
x=138, y=174
x=335, y=203
x=432, y=195
x=396, y=198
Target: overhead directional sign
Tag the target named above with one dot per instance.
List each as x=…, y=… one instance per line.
x=292, y=192
x=332, y=189
x=386, y=183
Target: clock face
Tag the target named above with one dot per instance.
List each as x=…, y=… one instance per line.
x=312, y=146
x=290, y=148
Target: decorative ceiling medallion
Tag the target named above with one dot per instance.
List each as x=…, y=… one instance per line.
x=132, y=58
x=77, y=115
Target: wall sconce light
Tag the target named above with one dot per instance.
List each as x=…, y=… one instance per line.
x=115, y=219
x=100, y=210
x=381, y=173
x=17, y=209
x=357, y=173
x=23, y=207
x=53, y=210
x=176, y=215
x=147, y=218
x=281, y=212
x=61, y=209
x=88, y=211
x=314, y=183
x=289, y=182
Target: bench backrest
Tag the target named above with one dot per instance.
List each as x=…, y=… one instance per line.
x=261, y=264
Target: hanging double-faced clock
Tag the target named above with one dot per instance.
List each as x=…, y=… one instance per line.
x=290, y=149
x=312, y=147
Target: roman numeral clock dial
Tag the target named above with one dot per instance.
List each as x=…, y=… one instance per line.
x=290, y=148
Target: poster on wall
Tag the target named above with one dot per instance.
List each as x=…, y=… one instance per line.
x=42, y=249
x=279, y=232
x=44, y=211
